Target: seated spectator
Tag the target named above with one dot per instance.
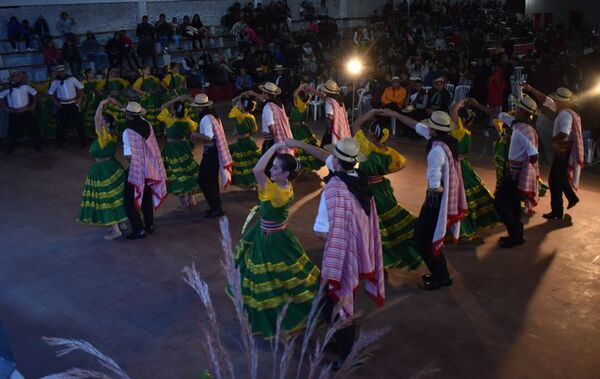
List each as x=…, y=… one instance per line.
x=65, y=23
x=92, y=51
x=432, y=73
x=440, y=42
x=175, y=32
x=29, y=35
x=222, y=66
x=251, y=36
x=163, y=31
x=192, y=70
x=70, y=53
x=438, y=98
x=113, y=51
x=51, y=54
x=126, y=48
x=41, y=29
x=394, y=96
x=186, y=30
x=417, y=68
x=203, y=31
x=243, y=82
x=16, y=33
x=237, y=31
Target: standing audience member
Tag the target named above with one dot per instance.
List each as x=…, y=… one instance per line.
x=70, y=53
x=126, y=48
x=18, y=100
x=113, y=50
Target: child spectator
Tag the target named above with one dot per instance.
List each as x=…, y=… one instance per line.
x=65, y=23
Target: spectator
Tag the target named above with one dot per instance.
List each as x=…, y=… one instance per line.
x=16, y=33
x=417, y=68
x=394, y=96
x=439, y=98
x=115, y=59
x=223, y=70
x=145, y=34
x=126, y=48
x=204, y=32
x=65, y=23
x=243, y=82
x=51, y=54
x=237, y=31
x=92, y=51
x=495, y=90
x=192, y=70
x=188, y=31
x=41, y=29
x=29, y=34
x=322, y=11
x=163, y=31
x=70, y=53
x=175, y=32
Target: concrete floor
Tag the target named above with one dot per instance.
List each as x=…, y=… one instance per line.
x=529, y=312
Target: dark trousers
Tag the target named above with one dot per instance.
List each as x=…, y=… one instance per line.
x=423, y=237
x=267, y=143
x=558, y=181
x=133, y=214
x=208, y=178
x=507, y=202
x=19, y=122
x=345, y=337
x=327, y=138
x=69, y=115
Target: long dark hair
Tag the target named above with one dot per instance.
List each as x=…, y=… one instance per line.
x=289, y=163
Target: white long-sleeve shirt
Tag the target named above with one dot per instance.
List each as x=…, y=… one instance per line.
x=436, y=159
x=563, y=123
x=520, y=148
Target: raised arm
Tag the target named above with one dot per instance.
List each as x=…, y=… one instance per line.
x=315, y=151
x=455, y=107
x=253, y=94
x=169, y=103
x=314, y=91
x=408, y=121
x=533, y=93
x=263, y=162
x=360, y=121
x=98, y=115
x=297, y=91
x=475, y=104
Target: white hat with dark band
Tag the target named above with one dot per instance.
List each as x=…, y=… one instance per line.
x=441, y=121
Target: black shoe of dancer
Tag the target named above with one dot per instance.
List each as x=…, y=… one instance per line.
x=510, y=243
x=573, y=203
x=136, y=236
x=433, y=285
x=552, y=216
x=149, y=229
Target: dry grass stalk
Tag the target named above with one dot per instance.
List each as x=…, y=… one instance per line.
x=76, y=373
x=70, y=345
x=235, y=285
x=278, y=335
x=311, y=325
x=218, y=354
x=362, y=350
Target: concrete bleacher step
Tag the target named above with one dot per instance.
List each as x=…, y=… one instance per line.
x=25, y=58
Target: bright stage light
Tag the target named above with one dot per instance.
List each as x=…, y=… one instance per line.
x=354, y=66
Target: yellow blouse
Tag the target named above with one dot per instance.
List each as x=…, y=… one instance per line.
x=104, y=137
x=167, y=79
x=278, y=196
x=397, y=160
x=139, y=81
x=459, y=132
x=169, y=119
x=299, y=104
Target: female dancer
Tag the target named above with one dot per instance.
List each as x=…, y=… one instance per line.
x=102, y=199
x=178, y=156
x=174, y=83
x=272, y=263
x=46, y=109
x=116, y=87
x=482, y=213
x=395, y=223
x=244, y=151
x=148, y=87
x=301, y=131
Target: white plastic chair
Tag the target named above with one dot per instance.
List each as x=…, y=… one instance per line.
x=315, y=105
x=460, y=92
x=450, y=88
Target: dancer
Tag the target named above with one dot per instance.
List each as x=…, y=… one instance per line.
x=347, y=222
x=300, y=129
x=523, y=176
x=445, y=204
x=273, y=265
x=567, y=140
x=244, y=151
x=335, y=112
x=482, y=213
x=147, y=86
x=102, y=199
x=275, y=124
x=116, y=87
x=178, y=155
x=216, y=159
x=395, y=223
x=67, y=92
x=19, y=102
x=174, y=83
x=46, y=110
x=92, y=94
x=145, y=188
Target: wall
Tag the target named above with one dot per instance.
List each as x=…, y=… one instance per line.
x=561, y=8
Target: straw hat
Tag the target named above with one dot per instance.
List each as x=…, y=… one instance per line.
x=527, y=104
x=270, y=88
x=441, y=121
x=562, y=94
x=134, y=109
x=278, y=67
x=330, y=86
x=347, y=150
x=201, y=100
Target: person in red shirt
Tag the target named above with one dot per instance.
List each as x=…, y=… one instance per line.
x=495, y=90
x=51, y=54
x=126, y=47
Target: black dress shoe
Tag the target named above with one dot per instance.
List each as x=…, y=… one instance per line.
x=150, y=229
x=437, y=284
x=509, y=243
x=552, y=216
x=573, y=203
x=136, y=236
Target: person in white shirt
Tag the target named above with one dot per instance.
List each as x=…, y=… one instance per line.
x=67, y=92
x=568, y=144
x=523, y=176
x=18, y=100
x=445, y=203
